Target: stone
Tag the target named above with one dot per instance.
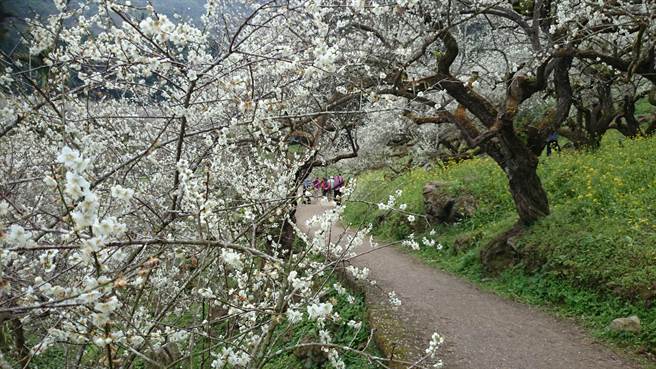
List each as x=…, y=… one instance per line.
x=443, y=207
x=312, y=356
x=465, y=205
x=501, y=253
x=629, y=324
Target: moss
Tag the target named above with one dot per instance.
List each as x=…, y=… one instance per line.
x=388, y=336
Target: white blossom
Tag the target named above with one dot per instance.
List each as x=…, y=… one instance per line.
x=17, y=236
x=121, y=193
x=319, y=311
x=393, y=299
x=4, y=208
x=232, y=258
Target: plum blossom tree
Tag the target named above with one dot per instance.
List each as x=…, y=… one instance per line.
x=148, y=187
x=479, y=64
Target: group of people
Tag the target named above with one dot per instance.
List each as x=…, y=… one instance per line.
x=330, y=187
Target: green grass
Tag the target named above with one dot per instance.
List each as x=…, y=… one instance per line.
x=593, y=258
x=644, y=107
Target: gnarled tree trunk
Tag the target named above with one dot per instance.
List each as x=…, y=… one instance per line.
x=520, y=165
x=527, y=191
x=531, y=202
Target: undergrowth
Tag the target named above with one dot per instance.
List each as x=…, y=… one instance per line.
x=308, y=331
x=304, y=332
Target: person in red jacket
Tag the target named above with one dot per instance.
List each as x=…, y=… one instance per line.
x=325, y=187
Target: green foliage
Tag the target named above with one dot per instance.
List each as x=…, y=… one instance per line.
x=524, y=7
x=479, y=176
x=594, y=257
x=643, y=107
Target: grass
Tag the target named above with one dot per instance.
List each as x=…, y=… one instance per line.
x=593, y=258
x=644, y=107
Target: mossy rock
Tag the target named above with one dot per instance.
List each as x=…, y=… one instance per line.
x=388, y=336
x=443, y=207
x=501, y=253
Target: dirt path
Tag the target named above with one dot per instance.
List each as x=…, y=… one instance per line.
x=481, y=330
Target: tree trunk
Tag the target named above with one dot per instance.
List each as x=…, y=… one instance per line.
x=19, y=342
x=632, y=127
x=527, y=191
x=652, y=127
x=288, y=235
x=520, y=165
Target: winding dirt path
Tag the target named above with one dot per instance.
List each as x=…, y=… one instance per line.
x=481, y=330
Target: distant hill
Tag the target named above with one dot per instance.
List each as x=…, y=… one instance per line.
x=13, y=12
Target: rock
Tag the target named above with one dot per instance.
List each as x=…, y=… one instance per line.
x=513, y=242
x=501, y=253
x=465, y=205
x=442, y=207
x=630, y=324
x=647, y=294
x=497, y=256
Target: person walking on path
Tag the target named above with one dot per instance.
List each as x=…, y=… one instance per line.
x=325, y=187
x=552, y=143
x=307, y=186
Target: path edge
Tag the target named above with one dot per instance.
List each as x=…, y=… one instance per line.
x=387, y=331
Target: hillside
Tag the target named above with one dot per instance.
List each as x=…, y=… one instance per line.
x=13, y=13
x=593, y=258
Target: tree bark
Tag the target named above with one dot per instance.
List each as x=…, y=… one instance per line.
x=288, y=235
x=19, y=342
x=520, y=165
x=527, y=191
x=652, y=128
x=531, y=202
x=632, y=127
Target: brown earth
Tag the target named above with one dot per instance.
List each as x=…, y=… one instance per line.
x=481, y=330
